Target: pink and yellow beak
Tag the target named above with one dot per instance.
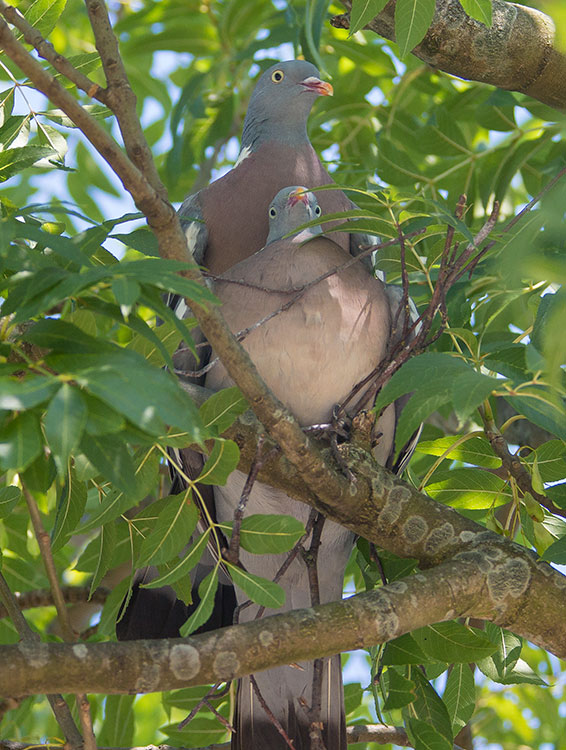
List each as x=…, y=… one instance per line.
x=312, y=83
x=300, y=194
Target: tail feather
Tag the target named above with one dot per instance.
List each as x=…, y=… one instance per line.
x=287, y=692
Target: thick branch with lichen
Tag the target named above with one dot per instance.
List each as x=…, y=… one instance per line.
x=483, y=581
x=517, y=53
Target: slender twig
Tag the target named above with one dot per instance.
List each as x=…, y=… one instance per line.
x=233, y=553
x=57, y=702
x=46, y=50
x=270, y=714
x=298, y=292
x=44, y=598
x=69, y=635
x=314, y=711
x=212, y=694
x=511, y=463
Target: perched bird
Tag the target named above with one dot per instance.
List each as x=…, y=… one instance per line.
x=225, y=223
x=311, y=355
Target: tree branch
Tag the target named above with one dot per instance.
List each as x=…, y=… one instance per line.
x=517, y=53
x=30, y=639
x=499, y=582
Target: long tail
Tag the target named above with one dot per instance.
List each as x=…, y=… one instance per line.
x=287, y=692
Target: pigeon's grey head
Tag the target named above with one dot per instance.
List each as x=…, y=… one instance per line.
x=291, y=208
x=281, y=102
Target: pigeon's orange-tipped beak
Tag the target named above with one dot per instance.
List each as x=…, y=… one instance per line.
x=312, y=83
x=300, y=194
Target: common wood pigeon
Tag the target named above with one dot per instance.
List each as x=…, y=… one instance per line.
x=227, y=221
x=311, y=356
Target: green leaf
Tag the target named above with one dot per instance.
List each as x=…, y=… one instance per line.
x=480, y=10
x=364, y=11
x=453, y=643
x=183, y=567
x=403, y=650
x=268, y=534
x=118, y=726
x=9, y=498
x=116, y=502
x=460, y=695
x=105, y=546
x=430, y=709
x=170, y=531
x=221, y=410
x=536, y=406
x=14, y=160
x=469, y=390
x=476, y=450
x=127, y=292
x=44, y=14
x=64, y=422
x=260, y=590
x=556, y=553
x=412, y=20
x=70, y=508
x=550, y=458
x=426, y=737
x=400, y=691
x=112, y=459
x=20, y=441
x=206, y=592
x=102, y=419
x=16, y=395
x=468, y=488
x=221, y=463
x=112, y=608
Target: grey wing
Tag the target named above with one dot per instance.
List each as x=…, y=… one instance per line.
x=395, y=298
x=194, y=227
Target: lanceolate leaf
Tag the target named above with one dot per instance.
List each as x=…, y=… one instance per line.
x=174, y=572
x=70, y=508
x=452, y=642
x=206, y=592
x=65, y=421
x=480, y=10
x=412, y=19
x=260, y=590
x=171, y=530
x=20, y=441
x=268, y=534
x=460, y=695
x=364, y=11
x=221, y=463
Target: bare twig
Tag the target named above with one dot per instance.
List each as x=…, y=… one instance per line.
x=44, y=544
x=313, y=711
x=57, y=702
x=43, y=598
x=212, y=694
x=46, y=50
x=511, y=463
x=233, y=553
x=269, y=714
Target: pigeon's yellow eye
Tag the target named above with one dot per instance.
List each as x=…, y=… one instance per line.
x=272, y=212
x=277, y=76
x=317, y=211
